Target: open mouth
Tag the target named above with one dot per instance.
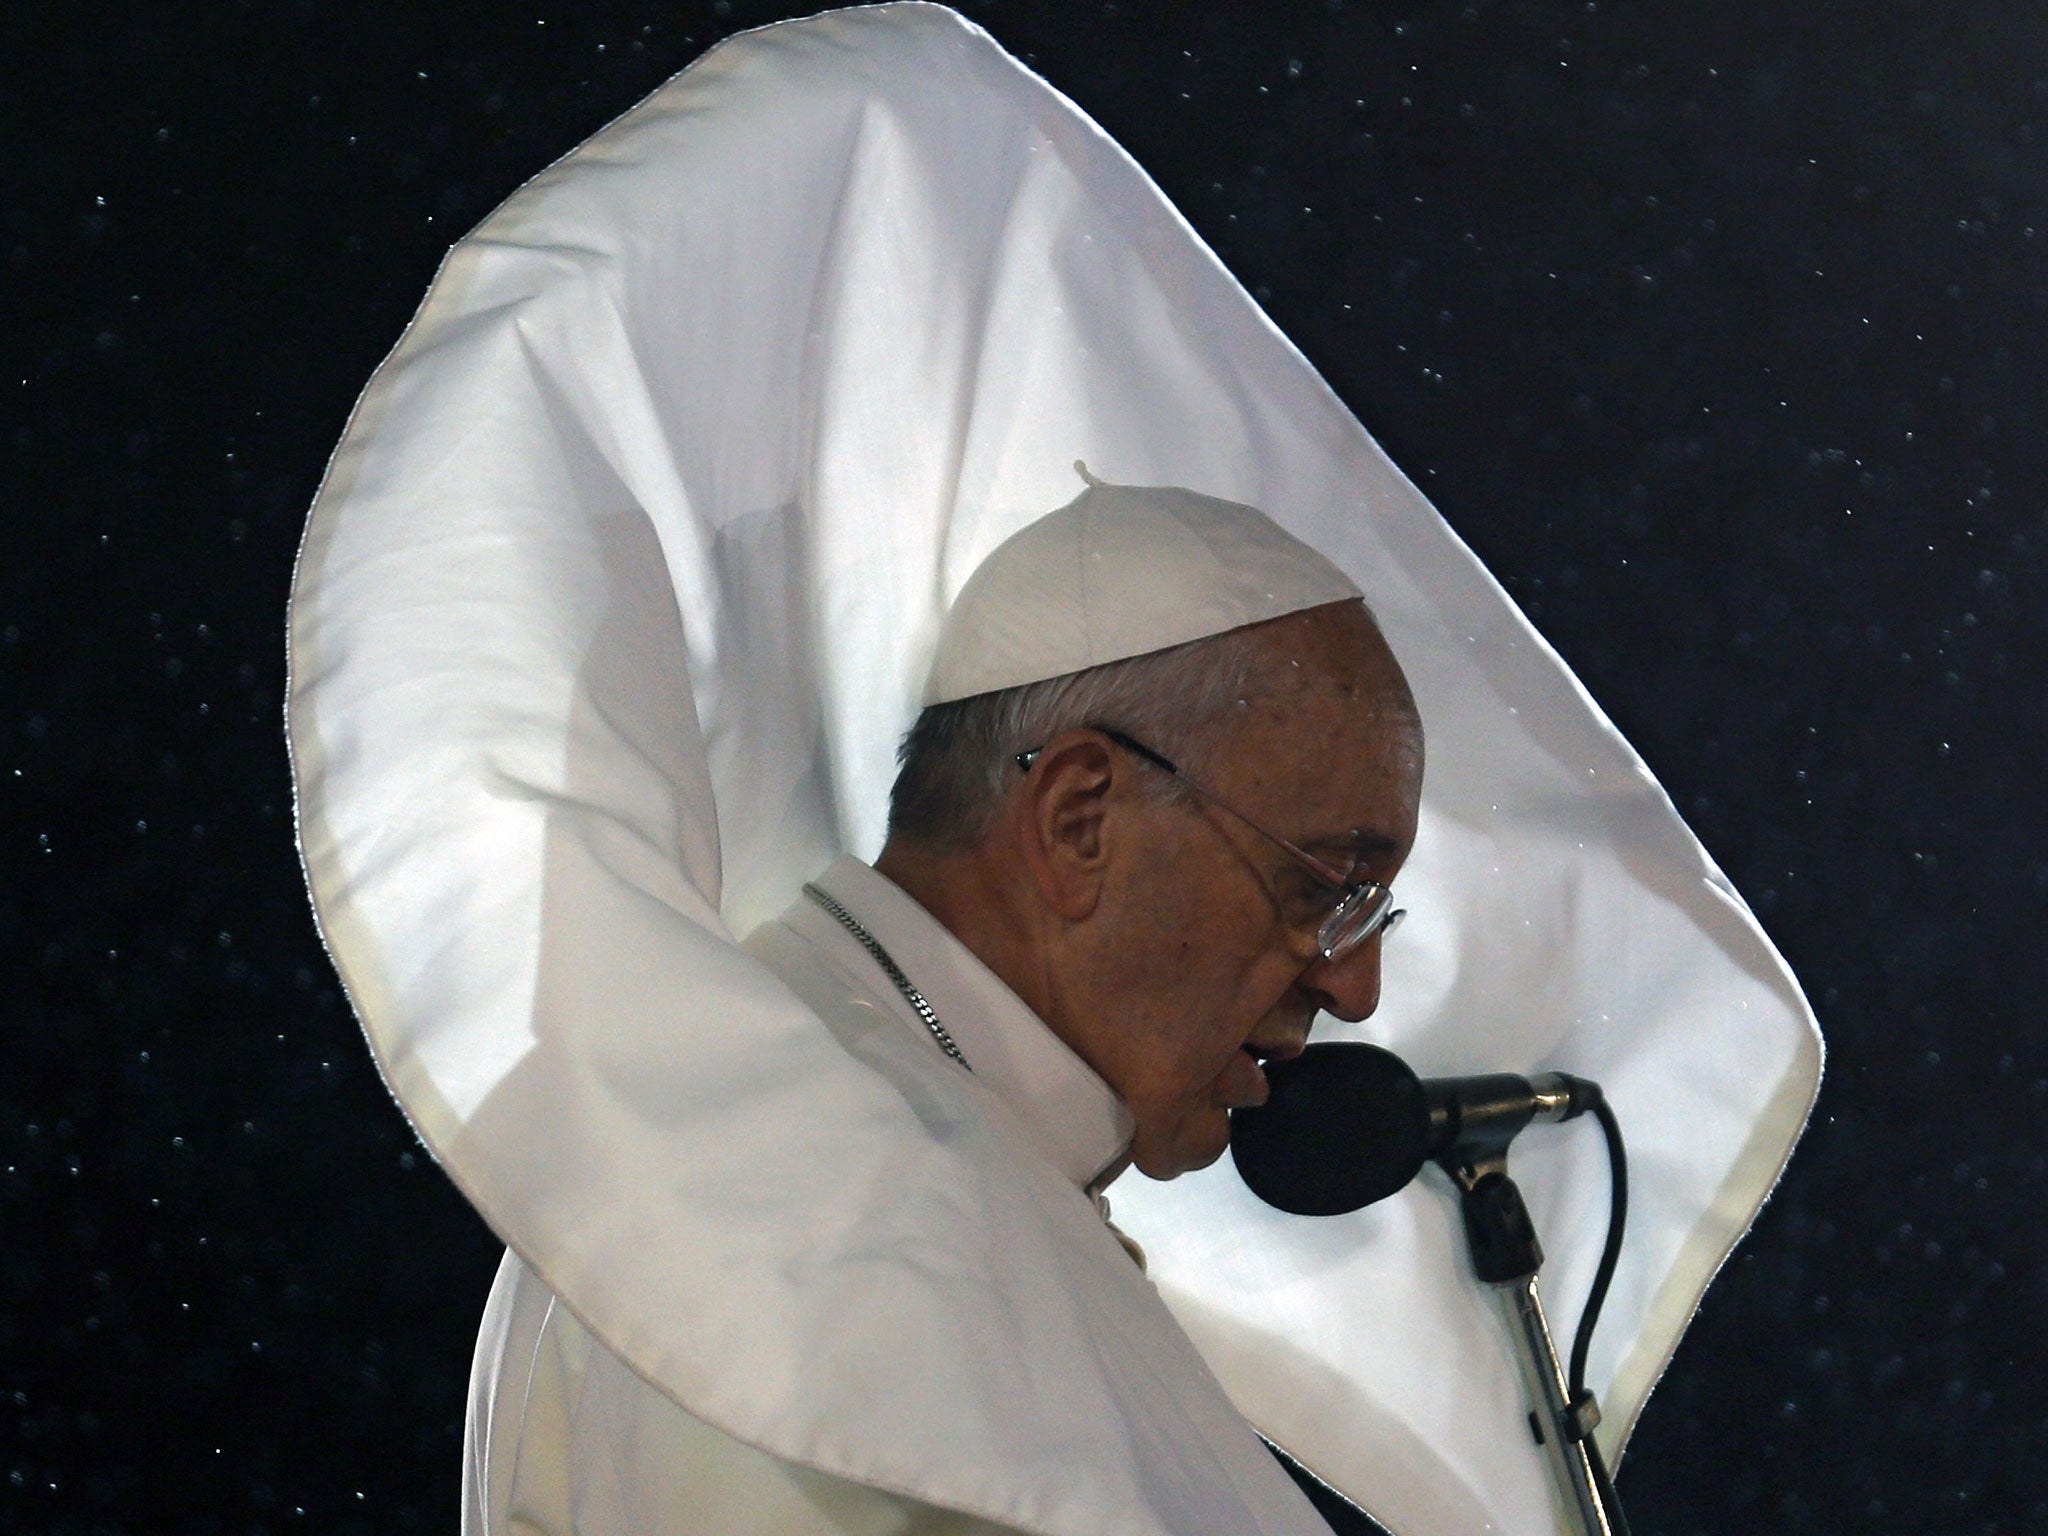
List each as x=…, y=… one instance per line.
x=1249, y=1087
x=1262, y=1054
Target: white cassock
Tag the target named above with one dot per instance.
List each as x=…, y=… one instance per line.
x=615, y=602
x=564, y=1437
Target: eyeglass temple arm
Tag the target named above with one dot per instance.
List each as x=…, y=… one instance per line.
x=1159, y=760
x=1129, y=744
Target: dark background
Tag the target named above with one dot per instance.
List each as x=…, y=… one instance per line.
x=1717, y=330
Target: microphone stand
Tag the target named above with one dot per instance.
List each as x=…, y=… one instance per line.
x=1506, y=1255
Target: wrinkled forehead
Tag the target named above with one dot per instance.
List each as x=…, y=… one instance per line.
x=1330, y=667
x=1325, y=721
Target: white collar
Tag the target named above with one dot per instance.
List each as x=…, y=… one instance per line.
x=1073, y=1115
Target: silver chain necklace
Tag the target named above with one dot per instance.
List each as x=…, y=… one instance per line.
x=891, y=969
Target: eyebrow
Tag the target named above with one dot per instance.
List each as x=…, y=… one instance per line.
x=1358, y=843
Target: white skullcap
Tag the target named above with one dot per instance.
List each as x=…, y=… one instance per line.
x=1121, y=571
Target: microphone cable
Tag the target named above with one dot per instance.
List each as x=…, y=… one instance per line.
x=1596, y=1295
x=1617, y=1224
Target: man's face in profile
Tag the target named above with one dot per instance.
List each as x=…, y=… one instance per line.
x=1206, y=962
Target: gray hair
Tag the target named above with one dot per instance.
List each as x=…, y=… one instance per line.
x=959, y=759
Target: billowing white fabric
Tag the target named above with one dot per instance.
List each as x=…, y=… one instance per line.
x=1119, y=571
x=621, y=589
x=1016, y=1275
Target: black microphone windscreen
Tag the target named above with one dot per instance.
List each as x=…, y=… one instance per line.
x=1346, y=1124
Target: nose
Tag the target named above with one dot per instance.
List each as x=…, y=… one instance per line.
x=1349, y=986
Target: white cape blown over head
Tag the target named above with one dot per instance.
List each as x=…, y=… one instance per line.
x=625, y=582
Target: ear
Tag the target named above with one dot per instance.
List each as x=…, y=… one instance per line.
x=1065, y=809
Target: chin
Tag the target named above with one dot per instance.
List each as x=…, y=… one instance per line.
x=1193, y=1145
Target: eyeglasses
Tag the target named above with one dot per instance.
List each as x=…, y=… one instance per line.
x=1363, y=907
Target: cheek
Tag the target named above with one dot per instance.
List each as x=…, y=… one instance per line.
x=1211, y=983
x=1189, y=952
x=1160, y=927
x=1200, y=966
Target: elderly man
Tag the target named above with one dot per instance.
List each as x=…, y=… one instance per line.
x=1110, y=890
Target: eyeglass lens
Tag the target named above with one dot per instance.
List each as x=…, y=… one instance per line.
x=1358, y=917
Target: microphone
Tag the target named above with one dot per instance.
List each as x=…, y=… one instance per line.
x=1348, y=1124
